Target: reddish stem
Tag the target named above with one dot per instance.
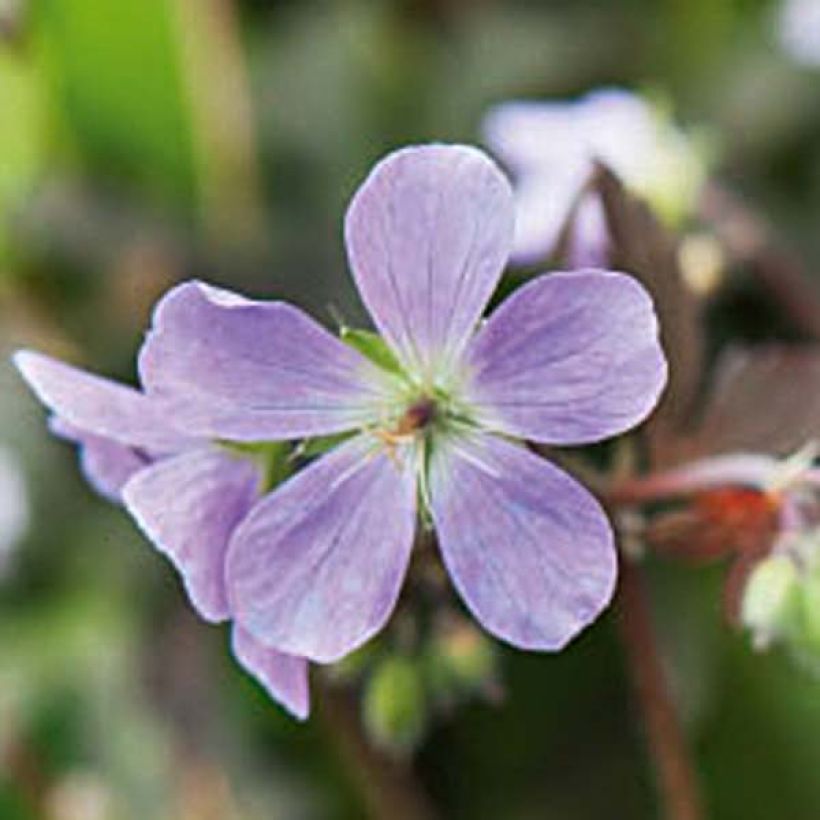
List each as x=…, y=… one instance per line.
x=387, y=784
x=675, y=774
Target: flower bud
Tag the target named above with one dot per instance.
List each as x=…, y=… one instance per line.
x=395, y=710
x=462, y=661
x=771, y=600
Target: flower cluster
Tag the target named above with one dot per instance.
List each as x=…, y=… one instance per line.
x=766, y=511
x=432, y=417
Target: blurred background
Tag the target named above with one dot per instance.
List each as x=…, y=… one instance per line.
x=146, y=141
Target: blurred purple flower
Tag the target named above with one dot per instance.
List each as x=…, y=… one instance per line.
x=130, y=453
x=316, y=567
x=798, y=30
x=552, y=147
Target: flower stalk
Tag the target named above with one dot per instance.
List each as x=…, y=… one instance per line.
x=667, y=747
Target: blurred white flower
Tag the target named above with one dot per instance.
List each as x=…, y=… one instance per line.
x=14, y=505
x=798, y=30
x=551, y=149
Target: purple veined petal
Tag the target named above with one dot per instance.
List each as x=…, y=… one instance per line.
x=569, y=358
x=529, y=550
x=284, y=677
x=428, y=235
x=106, y=464
x=316, y=568
x=97, y=405
x=228, y=367
x=189, y=505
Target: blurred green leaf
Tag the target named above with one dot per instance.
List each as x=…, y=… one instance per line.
x=116, y=71
x=21, y=136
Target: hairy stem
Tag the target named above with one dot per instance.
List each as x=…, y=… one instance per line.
x=674, y=772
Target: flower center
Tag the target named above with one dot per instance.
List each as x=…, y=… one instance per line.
x=417, y=418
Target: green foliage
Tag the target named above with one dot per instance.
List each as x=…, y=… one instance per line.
x=22, y=139
x=116, y=73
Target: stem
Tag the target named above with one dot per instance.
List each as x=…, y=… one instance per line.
x=23, y=766
x=674, y=772
x=387, y=784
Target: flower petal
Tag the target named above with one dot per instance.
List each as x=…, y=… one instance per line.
x=316, y=568
x=97, y=405
x=569, y=358
x=528, y=548
x=542, y=145
x=428, y=235
x=188, y=506
x=229, y=367
x=543, y=206
x=543, y=138
x=589, y=245
x=284, y=677
x=106, y=464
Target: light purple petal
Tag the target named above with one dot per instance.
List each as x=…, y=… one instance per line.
x=316, y=568
x=528, y=548
x=542, y=145
x=106, y=464
x=755, y=470
x=538, y=137
x=590, y=245
x=543, y=206
x=189, y=505
x=284, y=677
x=551, y=147
x=229, y=367
x=548, y=139
x=97, y=405
x=428, y=235
x=569, y=358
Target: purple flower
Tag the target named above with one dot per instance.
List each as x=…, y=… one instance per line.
x=315, y=569
x=798, y=30
x=130, y=452
x=552, y=147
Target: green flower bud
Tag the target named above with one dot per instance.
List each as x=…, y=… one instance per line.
x=395, y=708
x=464, y=659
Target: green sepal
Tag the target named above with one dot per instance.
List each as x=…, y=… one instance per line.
x=372, y=347
x=318, y=446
